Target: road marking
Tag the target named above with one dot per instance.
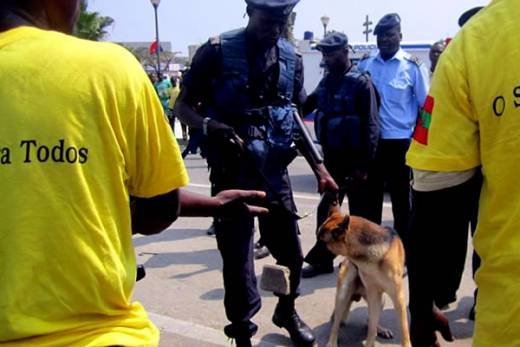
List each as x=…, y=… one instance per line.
x=296, y=196
x=196, y=331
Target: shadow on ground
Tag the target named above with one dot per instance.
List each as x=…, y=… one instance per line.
x=171, y=234
x=209, y=259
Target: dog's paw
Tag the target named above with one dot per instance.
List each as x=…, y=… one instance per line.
x=384, y=333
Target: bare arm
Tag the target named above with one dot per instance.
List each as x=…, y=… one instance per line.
x=153, y=215
x=225, y=203
x=187, y=113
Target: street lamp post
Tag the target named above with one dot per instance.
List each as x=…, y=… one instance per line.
x=155, y=4
x=325, y=21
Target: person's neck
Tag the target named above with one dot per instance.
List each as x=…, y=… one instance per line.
x=13, y=18
x=389, y=56
x=254, y=43
x=342, y=70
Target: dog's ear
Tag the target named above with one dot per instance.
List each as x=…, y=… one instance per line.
x=344, y=223
x=322, y=235
x=341, y=228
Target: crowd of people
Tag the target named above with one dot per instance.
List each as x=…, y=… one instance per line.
x=94, y=162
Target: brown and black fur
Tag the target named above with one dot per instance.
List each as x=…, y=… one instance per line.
x=373, y=265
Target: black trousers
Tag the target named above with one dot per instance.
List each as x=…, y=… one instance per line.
x=448, y=292
x=360, y=203
x=280, y=234
x=392, y=173
x=436, y=248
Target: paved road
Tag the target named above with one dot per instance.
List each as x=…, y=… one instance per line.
x=183, y=288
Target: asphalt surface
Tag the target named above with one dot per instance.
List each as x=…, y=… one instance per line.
x=183, y=289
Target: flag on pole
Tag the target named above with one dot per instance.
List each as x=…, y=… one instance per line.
x=153, y=48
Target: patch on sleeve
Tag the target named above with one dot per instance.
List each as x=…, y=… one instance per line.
x=423, y=121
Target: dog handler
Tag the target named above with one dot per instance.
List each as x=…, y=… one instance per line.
x=472, y=118
x=347, y=125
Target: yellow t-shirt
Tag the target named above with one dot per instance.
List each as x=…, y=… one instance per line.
x=82, y=128
x=475, y=120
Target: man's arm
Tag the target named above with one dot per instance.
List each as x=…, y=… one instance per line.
x=184, y=109
x=310, y=104
x=225, y=204
x=153, y=215
x=196, y=90
x=422, y=84
x=196, y=85
x=325, y=180
x=369, y=112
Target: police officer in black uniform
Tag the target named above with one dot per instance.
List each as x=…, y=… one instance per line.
x=240, y=91
x=347, y=127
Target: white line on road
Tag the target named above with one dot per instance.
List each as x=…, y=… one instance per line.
x=296, y=196
x=195, y=331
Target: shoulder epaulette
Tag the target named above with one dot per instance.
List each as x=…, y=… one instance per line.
x=413, y=59
x=215, y=40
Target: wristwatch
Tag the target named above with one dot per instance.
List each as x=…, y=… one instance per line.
x=205, y=122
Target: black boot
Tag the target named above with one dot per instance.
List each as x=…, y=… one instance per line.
x=313, y=270
x=285, y=316
x=241, y=332
x=243, y=342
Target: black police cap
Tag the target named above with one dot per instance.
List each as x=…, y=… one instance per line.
x=276, y=7
x=332, y=42
x=389, y=21
x=468, y=14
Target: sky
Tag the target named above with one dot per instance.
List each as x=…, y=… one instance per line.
x=189, y=22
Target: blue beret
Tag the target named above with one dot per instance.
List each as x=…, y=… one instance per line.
x=277, y=7
x=332, y=42
x=389, y=21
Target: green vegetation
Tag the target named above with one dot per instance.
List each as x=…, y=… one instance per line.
x=91, y=25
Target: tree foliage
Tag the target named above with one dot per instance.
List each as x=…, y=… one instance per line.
x=91, y=25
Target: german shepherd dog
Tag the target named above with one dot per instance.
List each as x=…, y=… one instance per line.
x=373, y=265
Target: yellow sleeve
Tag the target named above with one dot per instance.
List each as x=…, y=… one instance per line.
x=451, y=141
x=155, y=165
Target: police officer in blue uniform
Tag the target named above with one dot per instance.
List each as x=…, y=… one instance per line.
x=402, y=82
x=347, y=126
x=240, y=91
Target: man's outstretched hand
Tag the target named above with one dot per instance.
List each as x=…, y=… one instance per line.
x=237, y=202
x=228, y=203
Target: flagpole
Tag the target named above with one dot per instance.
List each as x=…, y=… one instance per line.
x=155, y=4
